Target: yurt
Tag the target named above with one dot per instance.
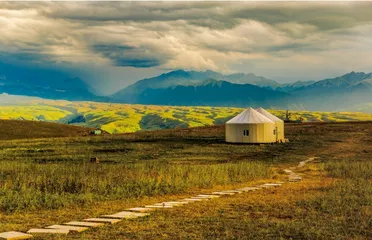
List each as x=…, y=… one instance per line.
x=279, y=123
x=250, y=126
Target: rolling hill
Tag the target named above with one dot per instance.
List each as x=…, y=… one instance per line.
x=121, y=118
x=21, y=129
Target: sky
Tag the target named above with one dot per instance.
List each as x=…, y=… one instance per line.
x=113, y=44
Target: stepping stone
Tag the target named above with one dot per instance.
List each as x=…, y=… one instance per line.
x=201, y=198
x=233, y=191
x=70, y=228
x=223, y=193
x=178, y=203
x=48, y=231
x=170, y=204
x=272, y=184
x=14, y=235
x=126, y=215
x=195, y=199
x=263, y=186
x=247, y=189
x=140, y=209
x=295, y=179
x=207, y=196
x=103, y=220
x=159, y=206
x=84, y=224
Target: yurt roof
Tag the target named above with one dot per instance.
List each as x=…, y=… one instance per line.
x=268, y=115
x=249, y=116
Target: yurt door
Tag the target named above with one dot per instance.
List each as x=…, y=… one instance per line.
x=276, y=134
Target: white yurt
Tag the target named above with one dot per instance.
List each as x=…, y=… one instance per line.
x=250, y=126
x=278, y=122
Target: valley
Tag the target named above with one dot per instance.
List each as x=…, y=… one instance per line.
x=123, y=118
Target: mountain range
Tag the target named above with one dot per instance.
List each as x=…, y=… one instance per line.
x=44, y=83
x=214, y=89
x=197, y=88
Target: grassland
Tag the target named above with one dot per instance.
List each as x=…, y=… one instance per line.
x=122, y=118
x=50, y=181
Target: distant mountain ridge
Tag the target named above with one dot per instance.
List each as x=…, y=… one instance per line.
x=333, y=93
x=195, y=78
x=170, y=89
x=216, y=93
x=44, y=83
x=189, y=78
x=193, y=88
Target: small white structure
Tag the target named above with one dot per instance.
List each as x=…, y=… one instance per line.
x=250, y=126
x=279, y=123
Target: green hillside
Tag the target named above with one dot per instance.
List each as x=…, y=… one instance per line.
x=120, y=118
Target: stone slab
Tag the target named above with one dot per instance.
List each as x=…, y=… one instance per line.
x=70, y=228
x=273, y=184
x=103, y=220
x=223, y=193
x=177, y=202
x=14, y=235
x=140, y=209
x=247, y=189
x=170, y=204
x=208, y=196
x=159, y=206
x=195, y=199
x=84, y=224
x=232, y=191
x=265, y=186
x=126, y=215
x=295, y=177
x=201, y=198
x=47, y=231
x=301, y=164
x=205, y=197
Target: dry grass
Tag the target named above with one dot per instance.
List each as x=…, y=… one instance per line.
x=22, y=129
x=333, y=201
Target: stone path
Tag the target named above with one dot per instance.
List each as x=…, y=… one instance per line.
x=144, y=211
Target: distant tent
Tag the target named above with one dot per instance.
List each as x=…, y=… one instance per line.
x=250, y=126
x=278, y=122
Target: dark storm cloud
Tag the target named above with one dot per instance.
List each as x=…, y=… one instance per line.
x=325, y=16
x=127, y=56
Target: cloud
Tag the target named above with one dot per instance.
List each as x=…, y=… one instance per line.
x=127, y=56
x=221, y=36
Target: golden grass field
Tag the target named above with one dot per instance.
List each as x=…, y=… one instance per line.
x=50, y=181
x=122, y=118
